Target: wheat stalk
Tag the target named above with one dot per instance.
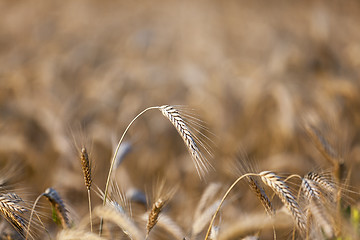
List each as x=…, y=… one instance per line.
x=223, y=199
x=201, y=163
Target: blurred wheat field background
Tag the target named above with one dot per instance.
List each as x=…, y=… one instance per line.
x=265, y=77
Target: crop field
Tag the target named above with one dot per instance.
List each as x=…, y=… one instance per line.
x=179, y=119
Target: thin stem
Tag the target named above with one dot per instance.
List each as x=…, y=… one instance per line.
x=89, y=197
x=114, y=157
x=31, y=214
x=223, y=199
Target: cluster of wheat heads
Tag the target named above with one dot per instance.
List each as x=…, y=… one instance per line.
x=314, y=206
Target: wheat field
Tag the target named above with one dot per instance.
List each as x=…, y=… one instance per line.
x=243, y=119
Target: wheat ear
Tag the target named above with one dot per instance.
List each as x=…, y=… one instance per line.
x=261, y=194
x=154, y=215
x=322, y=182
x=11, y=210
x=58, y=205
x=284, y=193
x=316, y=208
x=86, y=167
x=202, y=165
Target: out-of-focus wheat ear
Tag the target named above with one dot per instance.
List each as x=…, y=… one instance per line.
x=153, y=217
x=203, y=219
x=11, y=210
x=86, y=167
x=284, y=193
x=201, y=163
x=58, y=206
x=208, y=194
x=167, y=223
x=78, y=234
x=214, y=233
x=121, y=219
x=315, y=206
x=322, y=144
x=329, y=153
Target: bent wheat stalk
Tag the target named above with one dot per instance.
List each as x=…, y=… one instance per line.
x=279, y=187
x=223, y=199
x=201, y=164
